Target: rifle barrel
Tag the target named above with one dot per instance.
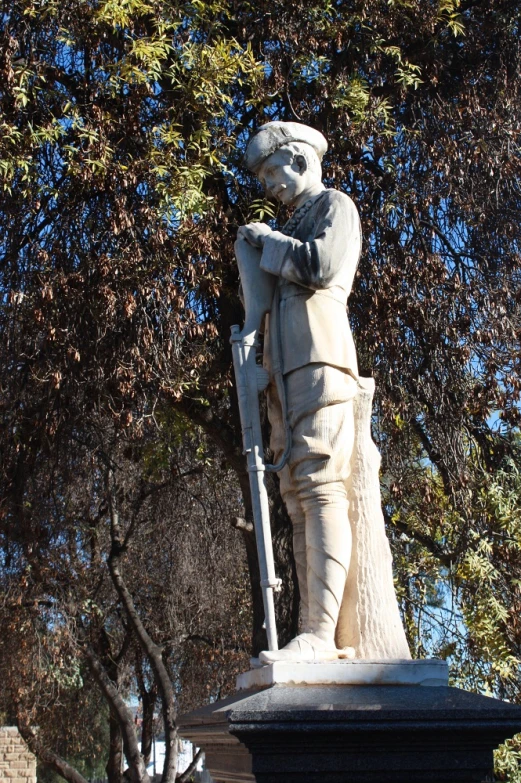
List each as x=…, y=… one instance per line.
x=245, y=367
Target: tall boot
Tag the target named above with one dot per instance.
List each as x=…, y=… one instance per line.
x=328, y=551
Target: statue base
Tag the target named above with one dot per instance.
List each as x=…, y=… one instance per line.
x=345, y=733
x=378, y=672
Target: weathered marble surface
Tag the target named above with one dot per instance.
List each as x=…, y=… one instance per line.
x=355, y=733
x=330, y=484
x=383, y=672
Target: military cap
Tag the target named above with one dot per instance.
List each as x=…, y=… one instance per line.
x=274, y=135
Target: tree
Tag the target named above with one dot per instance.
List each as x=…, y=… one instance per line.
x=62, y=291
x=123, y=124
x=89, y=599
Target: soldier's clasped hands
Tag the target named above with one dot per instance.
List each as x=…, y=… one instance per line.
x=254, y=233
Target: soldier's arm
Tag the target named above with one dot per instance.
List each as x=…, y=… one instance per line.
x=316, y=263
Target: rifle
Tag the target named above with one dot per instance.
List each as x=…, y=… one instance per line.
x=258, y=288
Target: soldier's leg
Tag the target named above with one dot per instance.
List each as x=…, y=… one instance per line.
x=325, y=444
x=320, y=411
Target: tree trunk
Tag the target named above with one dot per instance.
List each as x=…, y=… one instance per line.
x=114, y=767
x=185, y=776
x=150, y=648
x=112, y=665
x=149, y=699
x=137, y=769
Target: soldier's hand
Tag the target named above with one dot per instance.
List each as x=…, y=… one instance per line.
x=254, y=233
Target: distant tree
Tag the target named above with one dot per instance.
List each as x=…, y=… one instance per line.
x=110, y=114
x=123, y=578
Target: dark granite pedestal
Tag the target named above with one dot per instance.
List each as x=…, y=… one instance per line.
x=351, y=734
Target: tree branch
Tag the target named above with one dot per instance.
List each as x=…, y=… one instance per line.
x=222, y=435
x=46, y=756
x=150, y=648
x=446, y=558
x=185, y=776
x=137, y=769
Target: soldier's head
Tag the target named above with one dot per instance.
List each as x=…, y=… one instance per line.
x=286, y=157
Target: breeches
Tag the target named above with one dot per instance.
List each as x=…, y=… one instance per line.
x=320, y=414
x=313, y=482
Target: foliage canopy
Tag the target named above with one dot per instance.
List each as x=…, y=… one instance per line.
x=122, y=125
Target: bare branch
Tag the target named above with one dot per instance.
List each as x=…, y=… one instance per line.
x=189, y=771
x=46, y=756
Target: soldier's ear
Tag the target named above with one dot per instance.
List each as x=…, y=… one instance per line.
x=301, y=163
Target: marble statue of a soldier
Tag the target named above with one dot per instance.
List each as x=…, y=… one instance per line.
x=330, y=481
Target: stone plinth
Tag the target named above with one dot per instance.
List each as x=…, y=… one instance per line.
x=389, y=672
x=351, y=734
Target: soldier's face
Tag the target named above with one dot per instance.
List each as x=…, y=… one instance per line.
x=284, y=176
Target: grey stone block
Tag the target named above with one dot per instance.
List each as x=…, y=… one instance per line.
x=351, y=734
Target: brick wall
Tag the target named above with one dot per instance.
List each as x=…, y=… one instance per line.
x=17, y=763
